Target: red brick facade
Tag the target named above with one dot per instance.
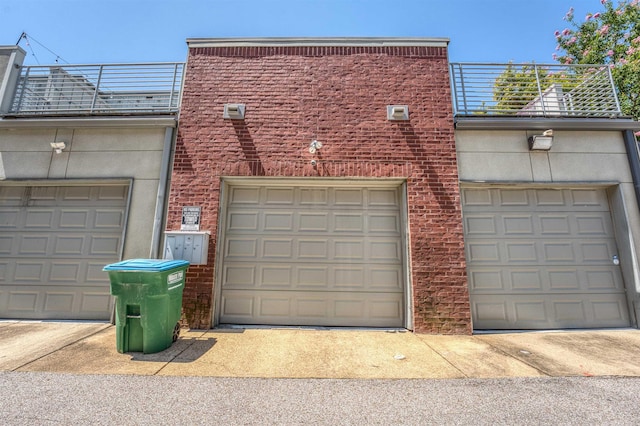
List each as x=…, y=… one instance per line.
x=338, y=95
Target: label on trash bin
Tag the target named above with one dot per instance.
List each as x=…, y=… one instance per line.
x=175, y=277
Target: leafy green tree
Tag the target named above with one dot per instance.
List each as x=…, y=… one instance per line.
x=611, y=37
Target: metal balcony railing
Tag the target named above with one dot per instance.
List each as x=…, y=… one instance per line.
x=99, y=89
x=533, y=90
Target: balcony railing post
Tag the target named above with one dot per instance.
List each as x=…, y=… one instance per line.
x=97, y=88
x=539, y=85
x=613, y=90
x=25, y=79
x=464, y=92
x=173, y=86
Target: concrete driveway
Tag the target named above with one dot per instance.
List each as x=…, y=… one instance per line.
x=89, y=348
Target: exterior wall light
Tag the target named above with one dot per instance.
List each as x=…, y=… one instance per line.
x=58, y=146
x=233, y=112
x=397, y=112
x=541, y=142
x=314, y=146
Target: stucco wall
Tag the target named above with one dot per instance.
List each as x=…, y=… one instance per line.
x=93, y=154
x=576, y=157
x=338, y=95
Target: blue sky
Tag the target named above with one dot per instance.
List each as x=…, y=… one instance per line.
x=108, y=31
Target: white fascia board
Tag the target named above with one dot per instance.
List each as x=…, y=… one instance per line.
x=319, y=41
x=119, y=122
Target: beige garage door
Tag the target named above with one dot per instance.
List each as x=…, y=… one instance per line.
x=542, y=259
x=54, y=242
x=309, y=255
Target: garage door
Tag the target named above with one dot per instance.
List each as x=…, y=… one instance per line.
x=54, y=242
x=542, y=259
x=308, y=255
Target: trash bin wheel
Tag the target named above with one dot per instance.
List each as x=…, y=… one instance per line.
x=176, y=332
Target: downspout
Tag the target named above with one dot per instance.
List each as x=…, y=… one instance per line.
x=169, y=136
x=634, y=161
x=633, y=155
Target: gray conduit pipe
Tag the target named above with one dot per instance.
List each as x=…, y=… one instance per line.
x=634, y=161
x=162, y=193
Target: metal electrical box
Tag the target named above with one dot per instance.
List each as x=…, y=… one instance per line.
x=187, y=245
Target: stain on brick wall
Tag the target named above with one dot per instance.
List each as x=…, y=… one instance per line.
x=337, y=95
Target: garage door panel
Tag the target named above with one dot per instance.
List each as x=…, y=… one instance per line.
x=276, y=276
x=9, y=218
x=277, y=248
x=22, y=301
x=29, y=271
x=526, y=199
x=112, y=193
x=303, y=249
x=243, y=221
x=11, y=196
x=39, y=218
x=541, y=225
x=109, y=219
x=33, y=245
x=536, y=251
x=74, y=219
x=312, y=256
x=561, y=311
x=548, y=267
x=59, y=240
x=314, y=196
x=309, y=308
x=313, y=222
x=238, y=248
x=348, y=197
x=273, y=221
x=279, y=196
x=58, y=302
x=65, y=272
x=71, y=245
x=104, y=245
x=304, y=277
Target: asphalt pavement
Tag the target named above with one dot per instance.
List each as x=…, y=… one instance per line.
x=60, y=373
x=71, y=399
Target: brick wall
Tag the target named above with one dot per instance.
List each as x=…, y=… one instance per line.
x=337, y=95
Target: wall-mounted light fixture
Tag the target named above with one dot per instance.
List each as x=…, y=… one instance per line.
x=233, y=111
x=541, y=142
x=314, y=146
x=397, y=112
x=58, y=146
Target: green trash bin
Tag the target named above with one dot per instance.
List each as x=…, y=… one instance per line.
x=148, y=303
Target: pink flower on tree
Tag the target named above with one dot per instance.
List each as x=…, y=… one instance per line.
x=596, y=15
x=604, y=30
x=569, y=14
x=610, y=53
x=586, y=18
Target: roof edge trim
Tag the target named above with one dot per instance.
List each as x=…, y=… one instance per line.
x=521, y=123
x=318, y=41
x=23, y=123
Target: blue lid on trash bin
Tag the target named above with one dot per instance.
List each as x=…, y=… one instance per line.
x=146, y=265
